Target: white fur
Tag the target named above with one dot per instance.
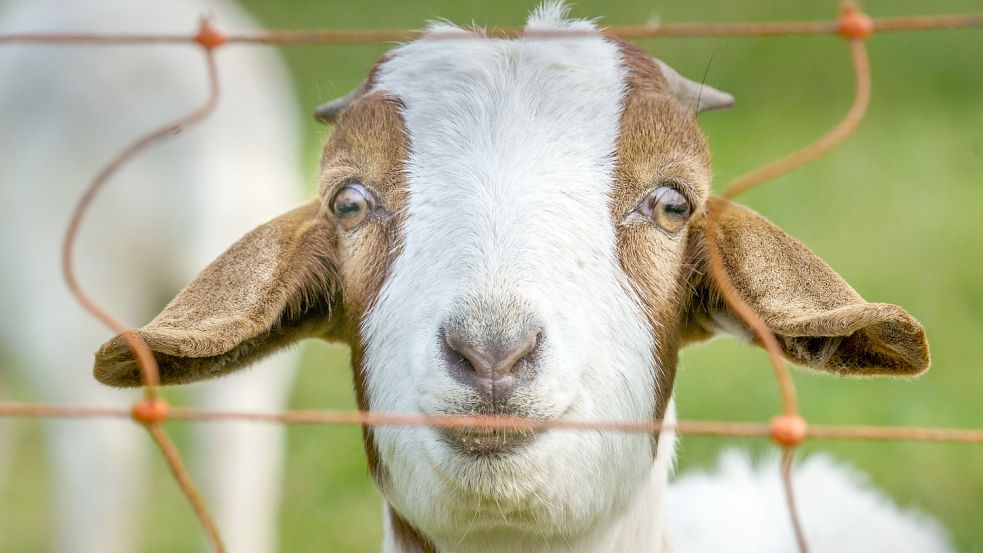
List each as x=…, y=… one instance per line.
x=741, y=508
x=508, y=208
x=65, y=111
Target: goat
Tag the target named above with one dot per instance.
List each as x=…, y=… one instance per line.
x=64, y=112
x=517, y=227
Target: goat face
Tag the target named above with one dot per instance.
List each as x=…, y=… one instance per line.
x=514, y=227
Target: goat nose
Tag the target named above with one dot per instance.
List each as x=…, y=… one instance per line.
x=493, y=366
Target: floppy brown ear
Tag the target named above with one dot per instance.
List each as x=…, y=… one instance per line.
x=819, y=320
x=274, y=286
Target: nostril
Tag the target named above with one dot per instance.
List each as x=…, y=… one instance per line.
x=457, y=359
x=463, y=362
x=462, y=355
x=490, y=358
x=522, y=351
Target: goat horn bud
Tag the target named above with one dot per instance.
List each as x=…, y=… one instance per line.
x=328, y=113
x=699, y=96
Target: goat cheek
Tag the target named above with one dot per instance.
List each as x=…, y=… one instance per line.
x=362, y=267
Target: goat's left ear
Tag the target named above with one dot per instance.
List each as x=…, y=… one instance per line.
x=819, y=320
x=271, y=288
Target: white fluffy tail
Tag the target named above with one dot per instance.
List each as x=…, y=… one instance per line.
x=741, y=508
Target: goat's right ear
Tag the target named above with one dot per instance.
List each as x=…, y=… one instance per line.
x=271, y=288
x=818, y=319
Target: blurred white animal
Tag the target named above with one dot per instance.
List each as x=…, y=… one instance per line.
x=65, y=111
x=741, y=508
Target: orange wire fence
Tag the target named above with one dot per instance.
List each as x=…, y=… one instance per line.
x=787, y=430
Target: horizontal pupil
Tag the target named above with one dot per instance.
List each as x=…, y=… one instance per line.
x=347, y=208
x=676, y=209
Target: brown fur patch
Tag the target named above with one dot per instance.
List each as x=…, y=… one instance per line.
x=659, y=142
x=369, y=145
x=408, y=538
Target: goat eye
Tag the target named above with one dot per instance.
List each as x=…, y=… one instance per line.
x=666, y=207
x=351, y=205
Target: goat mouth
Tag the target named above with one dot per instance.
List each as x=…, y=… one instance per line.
x=489, y=443
x=483, y=443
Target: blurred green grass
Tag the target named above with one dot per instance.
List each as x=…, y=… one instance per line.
x=895, y=211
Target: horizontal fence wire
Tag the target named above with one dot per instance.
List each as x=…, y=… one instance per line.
x=735, y=429
x=788, y=430
x=628, y=32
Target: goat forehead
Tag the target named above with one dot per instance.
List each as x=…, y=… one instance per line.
x=511, y=137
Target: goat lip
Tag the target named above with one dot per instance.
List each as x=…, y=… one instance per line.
x=479, y=442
